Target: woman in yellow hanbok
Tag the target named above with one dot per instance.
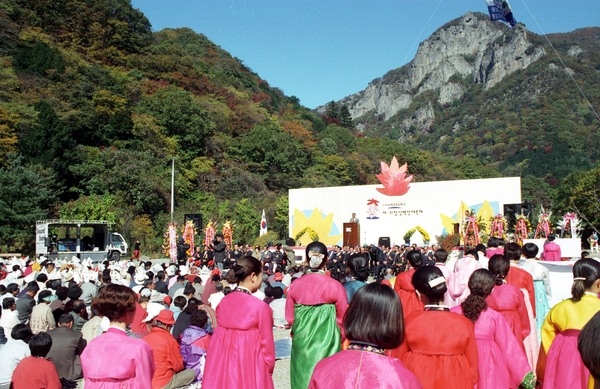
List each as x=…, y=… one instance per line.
x=560, y=365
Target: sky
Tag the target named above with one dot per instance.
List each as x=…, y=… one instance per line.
x=324, y=50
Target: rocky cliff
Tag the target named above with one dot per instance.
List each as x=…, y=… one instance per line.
x=470, y=48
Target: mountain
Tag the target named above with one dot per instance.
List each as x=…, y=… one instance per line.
x=507, y=97
x=95, y=108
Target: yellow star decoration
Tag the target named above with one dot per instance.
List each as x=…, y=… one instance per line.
x=319, y=224
x=486, y=212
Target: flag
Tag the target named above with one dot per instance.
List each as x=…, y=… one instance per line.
x=263, y=224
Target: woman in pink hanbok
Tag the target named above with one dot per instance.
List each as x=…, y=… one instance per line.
x=315, y=307
x=114, y=360
x=458, y=280
x=372, y=323
x=501, y=359
x=242, y=351
x=508, y=300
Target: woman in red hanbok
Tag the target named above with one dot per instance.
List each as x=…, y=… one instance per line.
x=242, y=352
x=502, y=361
x=372, y=323
x=404, y=287
x=440, y=347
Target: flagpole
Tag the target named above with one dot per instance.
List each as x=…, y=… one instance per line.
x=172, y=187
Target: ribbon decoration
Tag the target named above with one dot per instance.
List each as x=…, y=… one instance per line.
x=569, y=224
x=189, y=230
x=543, y=227
x=228, y=233
x=498, y=226
x=172, y=242
x=521, y=230
x=209, y=233
x=471, y=233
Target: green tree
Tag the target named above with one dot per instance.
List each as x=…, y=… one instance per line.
x=275, y=154
x=27, y=194
x=346, y=118
x=181, y=117
x=136, y=178
x=332, y=112
x=39, y=59
x=93, y=207
x=342, y=138
x=580, y=192
x=246, y=220
x=49, y=142
x=281, y=221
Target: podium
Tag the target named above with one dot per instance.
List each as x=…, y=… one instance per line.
x=351, y=234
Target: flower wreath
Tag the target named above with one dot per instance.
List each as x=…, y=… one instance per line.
x=312, y=234
x=408, y=234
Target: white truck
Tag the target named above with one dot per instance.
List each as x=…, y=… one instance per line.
x=84, y=239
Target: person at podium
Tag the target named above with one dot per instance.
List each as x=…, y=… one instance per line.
x=353, y=219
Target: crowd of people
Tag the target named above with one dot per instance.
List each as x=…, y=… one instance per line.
x=371, y=317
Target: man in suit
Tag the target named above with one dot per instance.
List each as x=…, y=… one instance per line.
x=67, y=346
x=26, y=302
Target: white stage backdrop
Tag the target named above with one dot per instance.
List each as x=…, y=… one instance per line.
x=434, y=206
x=569, y=248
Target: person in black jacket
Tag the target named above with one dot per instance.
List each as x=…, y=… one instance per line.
x=182, y=248
x=218, y=246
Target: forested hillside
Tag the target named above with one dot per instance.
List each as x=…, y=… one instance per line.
x=94, y=106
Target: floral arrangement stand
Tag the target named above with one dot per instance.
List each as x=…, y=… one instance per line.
x=424, y=234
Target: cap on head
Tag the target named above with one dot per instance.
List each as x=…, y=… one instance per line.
x=166, y=317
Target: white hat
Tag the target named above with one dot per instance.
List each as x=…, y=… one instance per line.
x=67, y=274
x=145, y=292
x=77, y=276
x=171, y=270
x=14, y=261
x=152, y=310
x=90, y=275
x=115, y=277
x=30, y=277
x=140, y=276
x=183, y=270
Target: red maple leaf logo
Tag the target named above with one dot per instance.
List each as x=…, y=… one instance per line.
x=394, y=179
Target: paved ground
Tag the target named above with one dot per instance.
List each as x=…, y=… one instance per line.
x=281, y=374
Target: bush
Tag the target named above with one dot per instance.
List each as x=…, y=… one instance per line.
x=449, y=241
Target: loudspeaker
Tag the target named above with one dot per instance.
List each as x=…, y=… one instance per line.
x=384, y=241
x=511, y=211
x=196, y=218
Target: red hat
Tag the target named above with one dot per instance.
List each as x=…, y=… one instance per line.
x=215, y=272
x=167, y=300
x=165, y=316
x=278, y=276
